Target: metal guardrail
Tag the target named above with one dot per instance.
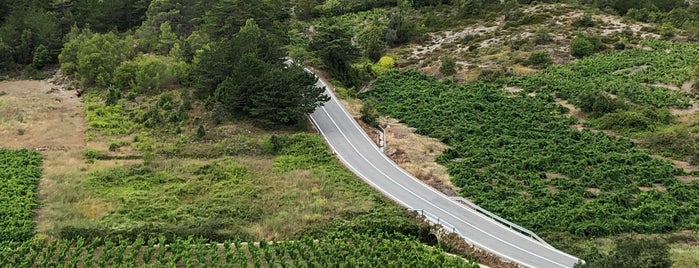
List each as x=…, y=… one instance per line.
x=431, y=217
x=510, y=224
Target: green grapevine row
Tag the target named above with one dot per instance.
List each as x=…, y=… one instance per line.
x=351, y=251
x=20, y=171
x=629, y=75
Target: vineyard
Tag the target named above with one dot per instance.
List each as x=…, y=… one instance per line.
x=19, y=175
x=637, y=85
x=352, y=251
x=517, y=155
x=626, y=74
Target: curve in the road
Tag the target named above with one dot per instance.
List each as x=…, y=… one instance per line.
x=356, y=150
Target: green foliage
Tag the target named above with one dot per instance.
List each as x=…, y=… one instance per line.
x=626, y=74
x=347, y=249
x=42, y=56
x=371, y=40
x=149, y=73
x=108, y=119
x=540, y=58
x=542, y=37
x=93, y=58
x=225, y=18
x=448, y=66
x=91, y=155
x=384, y=65
x=402, y=30
x=333, y=45
x=504, y=149
x=677, y=143
x=20, y=171
x=631, y=252
x=113, y=96
x=469, y=7
x=667, y=31
x=26, y=29
x=201, y=132
x=581, y=47
x=584, y=21
x=369, y=114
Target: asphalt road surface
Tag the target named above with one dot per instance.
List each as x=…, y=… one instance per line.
x=351, y=144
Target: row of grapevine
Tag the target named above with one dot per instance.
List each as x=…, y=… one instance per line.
x=19, y=175
x=350, y=251
x=630, y=75
x=518, y=157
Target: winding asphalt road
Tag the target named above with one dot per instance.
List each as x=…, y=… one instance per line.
x=351, y=144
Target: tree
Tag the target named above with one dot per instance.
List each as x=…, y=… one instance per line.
x=288, y=95
x=42, y=56
x=371, y=41
x=334, y=46
x=167, y=38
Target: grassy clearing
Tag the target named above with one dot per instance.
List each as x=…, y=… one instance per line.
x=149, y=172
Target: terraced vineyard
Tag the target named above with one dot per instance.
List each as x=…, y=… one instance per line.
x=517, y=155
x=19, y=175
x=352, y=251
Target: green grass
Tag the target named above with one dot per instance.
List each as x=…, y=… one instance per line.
x=236, y=182
x=684, y=256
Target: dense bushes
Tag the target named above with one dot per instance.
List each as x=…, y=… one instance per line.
x=93, y=57
x=149, y=73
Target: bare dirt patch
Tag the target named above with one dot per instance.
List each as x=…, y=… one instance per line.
x=656, y=186
x=574, y=111
x=687, y=179
x=686, y=166
x=416, y=154
x=37, y=114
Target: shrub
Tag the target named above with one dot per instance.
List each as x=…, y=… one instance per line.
x=542, y=37
x=384, y=65
x=201, y=132
x=492, y=74
x=667, y=31
x=581, y=47
x=599, y=104
x=448, y=66
x=540, y=58
x=585, y=21
x=369, y=114
x=149, y=73
x=91, y=155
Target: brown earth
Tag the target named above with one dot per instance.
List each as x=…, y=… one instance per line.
x=43, y=115
x=40, y=115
